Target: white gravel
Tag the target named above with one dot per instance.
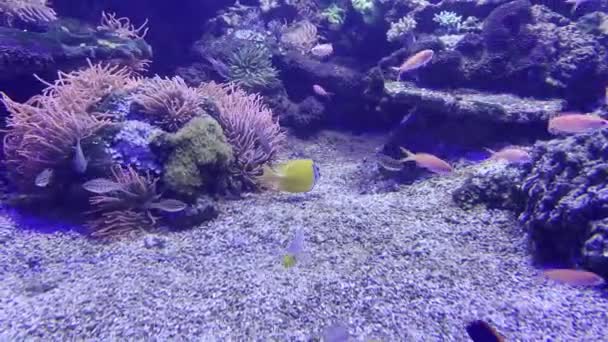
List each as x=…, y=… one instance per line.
x=401, y=266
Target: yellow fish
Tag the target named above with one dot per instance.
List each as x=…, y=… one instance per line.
x=299, y=175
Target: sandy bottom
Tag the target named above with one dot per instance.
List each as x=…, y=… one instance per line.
x=400, y=266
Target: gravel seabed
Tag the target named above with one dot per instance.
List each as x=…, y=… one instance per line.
x=402, y=266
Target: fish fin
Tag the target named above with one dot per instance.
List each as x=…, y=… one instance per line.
x=269, y=178
x=489, y=150
x=409, y=156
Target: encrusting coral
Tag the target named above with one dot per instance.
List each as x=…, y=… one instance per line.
x=199, y=152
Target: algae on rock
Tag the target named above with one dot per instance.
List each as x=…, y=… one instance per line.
x=198, y=154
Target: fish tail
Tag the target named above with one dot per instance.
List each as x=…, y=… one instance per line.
x=408, y=155
x=269, y=178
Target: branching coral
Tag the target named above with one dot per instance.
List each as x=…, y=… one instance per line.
x=249, y=126
x=169, y=100
x=334, y=14
x=251, y=67
x=31, y=11
x=401, y=28
x=122, y=27
x=448, y=21
x=367, y=8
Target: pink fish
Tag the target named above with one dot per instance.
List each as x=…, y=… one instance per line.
x=321, y=91
x=513, y=155
x=418, y=60
x=576, y=123
x=322, y=50
x=427, y=161
x=574, y=277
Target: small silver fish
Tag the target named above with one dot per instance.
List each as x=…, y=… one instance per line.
x=321, y=91
x=44, y=178
x=79, y=162
x=169, y=205
x=322, y=50
x=102, y=186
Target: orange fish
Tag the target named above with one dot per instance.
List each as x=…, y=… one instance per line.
x=418, y=60
x=574, y=277
x=482, y=331
x=513, y=155
x=427, y=161
x=575, y=123
x=321, y=91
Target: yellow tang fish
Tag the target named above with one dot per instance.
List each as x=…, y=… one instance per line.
x=299, y=175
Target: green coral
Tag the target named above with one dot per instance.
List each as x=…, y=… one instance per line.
x=334, y=14
x=251, y=67
x=199, y=152
x=367, y=8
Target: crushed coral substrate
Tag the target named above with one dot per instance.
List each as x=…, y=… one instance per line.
x=399, y=266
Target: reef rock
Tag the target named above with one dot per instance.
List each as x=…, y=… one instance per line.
x=567, y=200
x=461, y=104
x=466, y=119
x=300, y=73
x=66, y=44
x=495, y=185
